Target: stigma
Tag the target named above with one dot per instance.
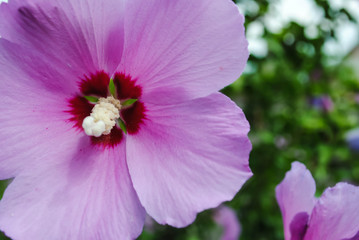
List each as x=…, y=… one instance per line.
x=103, y=117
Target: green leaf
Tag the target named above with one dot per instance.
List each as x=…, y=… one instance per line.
x=112, y=88
x=122, y=125
x=3, y=185
x=129, y=102
x=91, y=99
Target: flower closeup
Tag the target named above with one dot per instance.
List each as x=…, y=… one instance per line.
x=110, y=109
x=334, y=216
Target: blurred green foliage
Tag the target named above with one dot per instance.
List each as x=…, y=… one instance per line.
x=276, y=93
x=276, y=96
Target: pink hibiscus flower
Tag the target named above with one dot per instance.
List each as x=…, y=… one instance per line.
x=110, y=109
x=334, y=216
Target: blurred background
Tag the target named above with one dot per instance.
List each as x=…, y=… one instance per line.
x=300, y=93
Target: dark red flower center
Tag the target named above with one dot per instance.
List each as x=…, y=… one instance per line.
x=98, y=86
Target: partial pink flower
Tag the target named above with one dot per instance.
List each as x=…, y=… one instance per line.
x=227, y=218
x=334, y=216
x=110, y=110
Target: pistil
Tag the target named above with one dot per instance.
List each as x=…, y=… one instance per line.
x=103, y=117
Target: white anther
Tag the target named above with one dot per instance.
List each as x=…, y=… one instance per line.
x=103, y=117
x=93, y=128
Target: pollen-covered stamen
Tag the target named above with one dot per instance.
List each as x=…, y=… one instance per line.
x=103, y=117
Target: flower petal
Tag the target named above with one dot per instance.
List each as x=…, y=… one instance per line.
x=78, y=35
x=88, y=198
x=336, y=214
x=184, y=49
x=29, y=75
x=22, y=143
x=189, y=157
x=356, y=237
x=32, y=110
x=39, y=73
x=295, y=196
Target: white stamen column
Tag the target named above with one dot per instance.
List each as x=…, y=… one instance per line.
x=103, y=117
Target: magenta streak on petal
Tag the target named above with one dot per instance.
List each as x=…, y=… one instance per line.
x=96, y=84
x=80, y=109
x=299, y=226
x=51, y=32
x=134, y=116
x=33, y=20
x=126, y=87
x=109, y=141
